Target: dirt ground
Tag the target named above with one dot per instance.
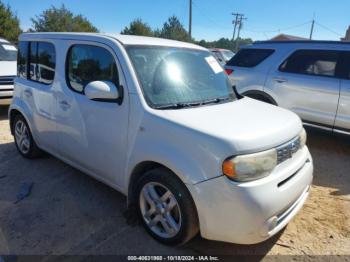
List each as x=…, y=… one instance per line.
x=69, y=213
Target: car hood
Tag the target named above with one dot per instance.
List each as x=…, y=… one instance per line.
x=247, y=125
x=8, y=68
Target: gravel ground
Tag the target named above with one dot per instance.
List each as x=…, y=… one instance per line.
x=70, y=213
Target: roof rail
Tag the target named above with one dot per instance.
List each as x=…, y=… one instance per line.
x=302, y=42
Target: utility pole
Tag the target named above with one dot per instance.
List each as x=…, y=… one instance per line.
x=312, y=28
x=240, y=25
x=190, y=20
x=235, y=22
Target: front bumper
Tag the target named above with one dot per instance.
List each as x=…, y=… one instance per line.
x=249, y=213
x=6, y=93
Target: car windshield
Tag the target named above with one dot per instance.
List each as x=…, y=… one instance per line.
x=179, y=77
x=228, y=54
x=8, y=52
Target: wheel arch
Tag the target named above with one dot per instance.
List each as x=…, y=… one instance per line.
x=260, y=95
x=138, y=171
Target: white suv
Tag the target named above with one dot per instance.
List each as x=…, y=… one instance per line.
x=8, y=58
x=159, y=121
x=311, y=78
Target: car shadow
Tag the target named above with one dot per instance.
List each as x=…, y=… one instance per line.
x=330, y=153
x=3, y=112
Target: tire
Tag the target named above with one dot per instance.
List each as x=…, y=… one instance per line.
x=24, y=141
x=173, y=200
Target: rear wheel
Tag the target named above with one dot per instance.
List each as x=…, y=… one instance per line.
x=166, y=207
x=24, y=141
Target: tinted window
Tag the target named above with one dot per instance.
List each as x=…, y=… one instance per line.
x=249, y=57
x=33, y=55
x=22, y=59
x=177, y=77
x=42, y=62
x=311, y=62
x=46, y=62
x=8, y=52
x=87, y=63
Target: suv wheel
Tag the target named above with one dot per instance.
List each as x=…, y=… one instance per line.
x=166, y=207
x=24, y=141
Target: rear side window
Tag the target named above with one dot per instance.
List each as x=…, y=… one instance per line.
x=250, y=57
x=22, y=59
x=42, y=62
x=311, y=62
x=36, y=61
x=86, y=63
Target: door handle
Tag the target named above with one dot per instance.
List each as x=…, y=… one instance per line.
x=28, y=93
x=64, y=104
x=280, y=80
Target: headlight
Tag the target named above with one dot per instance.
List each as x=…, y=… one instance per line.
x=303, y=138
x=250, y=167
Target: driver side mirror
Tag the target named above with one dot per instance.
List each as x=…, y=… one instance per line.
x=102, y=91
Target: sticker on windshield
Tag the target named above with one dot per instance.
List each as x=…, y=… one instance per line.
x=9, y=47
x=214, y=64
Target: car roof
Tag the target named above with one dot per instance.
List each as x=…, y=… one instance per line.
x=123, y=39
x=312, y=44
x=3, y=40
x=219, y=49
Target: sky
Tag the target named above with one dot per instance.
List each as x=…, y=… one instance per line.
x=212, y=19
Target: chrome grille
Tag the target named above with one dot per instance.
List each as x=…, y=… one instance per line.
x=6, y=80
x=287, y=150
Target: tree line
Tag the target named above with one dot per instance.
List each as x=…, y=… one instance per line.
x=61, y=19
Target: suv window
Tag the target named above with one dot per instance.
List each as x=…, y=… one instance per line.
x=22, y=59
x=311, y=62
x=86, y=63
x=42, y=62
x=8, y=52
x=250, y=57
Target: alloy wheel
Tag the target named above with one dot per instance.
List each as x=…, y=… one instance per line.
x=160, y=210
x=22, y=137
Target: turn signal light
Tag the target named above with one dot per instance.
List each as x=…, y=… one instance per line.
x=229, y=169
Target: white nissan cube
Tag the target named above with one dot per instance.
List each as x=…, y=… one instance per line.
x=159, y=121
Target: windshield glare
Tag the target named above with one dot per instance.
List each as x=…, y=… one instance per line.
x=173, y=76
x=8, y=52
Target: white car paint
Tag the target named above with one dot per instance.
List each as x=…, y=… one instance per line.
x=8, y=70
x=108, y=141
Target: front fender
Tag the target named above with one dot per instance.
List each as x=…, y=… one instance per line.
x=190, y=172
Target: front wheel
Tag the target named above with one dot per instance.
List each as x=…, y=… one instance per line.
x=166, y=207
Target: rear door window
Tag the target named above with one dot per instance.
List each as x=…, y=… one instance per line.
x=250, y=57
x=42, y=62
x=311, y=62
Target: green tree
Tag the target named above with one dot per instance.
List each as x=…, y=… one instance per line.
x=173, y=29
x=61, y=20
x=225, y=43
x=138, y=27
x=9, y=23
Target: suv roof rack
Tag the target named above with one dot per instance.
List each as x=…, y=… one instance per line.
x=303, y=42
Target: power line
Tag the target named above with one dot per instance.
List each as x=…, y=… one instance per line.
x=328, y=29
x=278, y=30
x=201, y=11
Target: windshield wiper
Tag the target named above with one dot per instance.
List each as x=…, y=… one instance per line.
x=216, y=100
x=177, y=105
x=193, y=104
